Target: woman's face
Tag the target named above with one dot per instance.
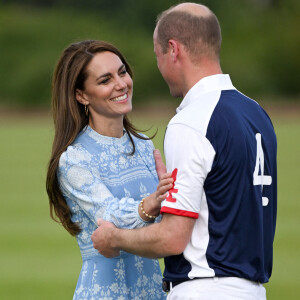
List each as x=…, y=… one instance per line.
x=108, y=87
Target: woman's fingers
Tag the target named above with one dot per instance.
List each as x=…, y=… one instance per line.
x=163, y=189
x=159, y=164
x=161, y=198
x=165, y=182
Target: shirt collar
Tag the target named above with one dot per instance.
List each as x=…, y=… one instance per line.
x=206, y=85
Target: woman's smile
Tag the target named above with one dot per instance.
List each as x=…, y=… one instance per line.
x=120, y=99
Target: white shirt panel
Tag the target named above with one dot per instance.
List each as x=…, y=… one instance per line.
x=192, y=154
x=204, y=109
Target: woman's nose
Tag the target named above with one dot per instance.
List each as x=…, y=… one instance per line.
x=120, y=84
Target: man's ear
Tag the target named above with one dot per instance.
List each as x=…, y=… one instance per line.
x=80, y=97
x=174, y=49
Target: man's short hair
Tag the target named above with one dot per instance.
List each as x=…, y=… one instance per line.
x=200, y=35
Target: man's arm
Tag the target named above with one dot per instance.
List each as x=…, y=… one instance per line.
x=169, y=237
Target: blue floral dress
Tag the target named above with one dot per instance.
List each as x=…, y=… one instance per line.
x=99, y=179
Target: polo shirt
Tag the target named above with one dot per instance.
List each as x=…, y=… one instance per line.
x=221, y=149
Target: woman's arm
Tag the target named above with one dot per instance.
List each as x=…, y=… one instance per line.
x=79, y=184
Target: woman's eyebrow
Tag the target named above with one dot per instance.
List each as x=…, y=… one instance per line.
x=109, y=74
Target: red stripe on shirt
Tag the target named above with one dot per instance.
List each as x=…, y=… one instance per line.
x=179, y=212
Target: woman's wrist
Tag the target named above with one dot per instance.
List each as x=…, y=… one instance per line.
x=146, y=212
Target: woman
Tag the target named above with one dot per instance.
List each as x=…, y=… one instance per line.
x=101, y=167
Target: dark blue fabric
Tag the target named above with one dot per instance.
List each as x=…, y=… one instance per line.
x=241, y=229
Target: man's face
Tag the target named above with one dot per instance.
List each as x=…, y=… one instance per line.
x=166, y=67
x=160, y=56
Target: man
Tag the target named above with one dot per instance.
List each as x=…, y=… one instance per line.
x=219, y=218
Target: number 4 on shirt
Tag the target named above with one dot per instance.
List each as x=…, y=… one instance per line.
x=260, y=160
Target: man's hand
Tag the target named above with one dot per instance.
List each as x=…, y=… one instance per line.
x=102, y=239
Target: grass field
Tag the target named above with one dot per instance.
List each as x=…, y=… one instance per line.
x=39, y=260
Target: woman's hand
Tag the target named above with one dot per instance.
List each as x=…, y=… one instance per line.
x=151, y=204
x=159, y=164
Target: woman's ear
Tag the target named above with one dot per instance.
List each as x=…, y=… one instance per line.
x=80, y=97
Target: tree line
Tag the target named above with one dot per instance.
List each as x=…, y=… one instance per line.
x=260, y=43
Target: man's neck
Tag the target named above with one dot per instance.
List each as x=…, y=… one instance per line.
x=194, y=73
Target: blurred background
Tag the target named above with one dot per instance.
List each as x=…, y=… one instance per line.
x=260, y=44
x=260, y=50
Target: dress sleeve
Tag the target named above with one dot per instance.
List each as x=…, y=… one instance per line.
x=80, y=182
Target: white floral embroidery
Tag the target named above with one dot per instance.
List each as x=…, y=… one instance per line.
x=79, y=290
x=122, y=149
x=113, y=151
x=114, y=287
x=127, y=193
x=95, y=172
x=132, y=160
x=144, y=280
x=139, y=263
x=143, y=293
x=85, y=222
x=75, y=208
x=100, y=191
x=141, y=147
x=156, y=278
x=123, y=162
x=103, y=157
x=84, y=269
x=152, y=292
x=143, y=191
x=120, y=272
x=96, y=288
x=113, y=166
x=85, y=236
x=79, y=177
x=81, y=155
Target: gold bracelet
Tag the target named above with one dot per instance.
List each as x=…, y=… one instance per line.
x=142, y=210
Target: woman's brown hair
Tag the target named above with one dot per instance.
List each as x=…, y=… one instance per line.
x=70, y=118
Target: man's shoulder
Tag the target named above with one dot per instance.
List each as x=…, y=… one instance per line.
x=198, y=113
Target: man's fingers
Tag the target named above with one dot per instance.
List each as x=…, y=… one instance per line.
x=159, y=164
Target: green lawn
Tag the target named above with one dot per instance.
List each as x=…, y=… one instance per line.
x=40, y=260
